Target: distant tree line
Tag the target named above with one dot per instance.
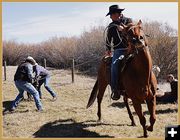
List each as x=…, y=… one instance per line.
x=90, y=47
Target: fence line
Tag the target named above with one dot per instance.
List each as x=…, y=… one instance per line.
x=87, y=62
x=44, y=63
x=5, y=70
x=72, y=70
x=73, y=66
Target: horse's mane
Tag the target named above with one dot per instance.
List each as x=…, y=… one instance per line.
x=131, y=25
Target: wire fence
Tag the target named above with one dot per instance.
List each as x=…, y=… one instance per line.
x=74, y=68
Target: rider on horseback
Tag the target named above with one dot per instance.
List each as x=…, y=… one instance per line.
x=114, y=42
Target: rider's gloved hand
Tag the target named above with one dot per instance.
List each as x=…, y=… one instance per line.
x=109, y=53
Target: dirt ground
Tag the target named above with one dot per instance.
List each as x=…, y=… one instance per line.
x=68, y=116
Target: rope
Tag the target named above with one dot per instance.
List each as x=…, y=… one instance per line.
x=87, y=62
x=120, y=38
x=82, y=72
x=106, y=38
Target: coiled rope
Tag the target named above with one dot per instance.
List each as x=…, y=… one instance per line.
x=106, y=39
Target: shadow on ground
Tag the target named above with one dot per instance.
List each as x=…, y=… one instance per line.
x=118, y=104
x=66, y=128
x=165, y=111
x=6, y=106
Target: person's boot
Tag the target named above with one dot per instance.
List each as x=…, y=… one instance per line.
x=54, y=98
x=115, y=95
x=12, y=109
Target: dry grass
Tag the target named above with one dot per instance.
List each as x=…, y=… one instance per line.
x=68, y=117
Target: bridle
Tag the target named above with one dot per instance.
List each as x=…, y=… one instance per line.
x=132, y=52
x=133, y=40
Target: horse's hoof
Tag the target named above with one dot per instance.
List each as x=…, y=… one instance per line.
x=149, y=128
x=133, y=124
x=144, y=136
x=99, y=121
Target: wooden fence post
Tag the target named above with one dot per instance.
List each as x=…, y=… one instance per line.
x=73, y=71
x=44, y=63
x=4, y=70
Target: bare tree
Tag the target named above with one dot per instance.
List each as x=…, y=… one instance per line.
x=88, y=49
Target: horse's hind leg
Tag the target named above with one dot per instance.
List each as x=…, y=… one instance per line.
x=129, y=111
x=151, y=103
x=100, y=95
x=138, y=109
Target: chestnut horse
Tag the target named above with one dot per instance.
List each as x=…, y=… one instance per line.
x=102, y=82
x=137, y=78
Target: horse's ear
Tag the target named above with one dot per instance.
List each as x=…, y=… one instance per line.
x=140, y=23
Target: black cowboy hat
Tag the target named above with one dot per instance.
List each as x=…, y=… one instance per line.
x=114, y=9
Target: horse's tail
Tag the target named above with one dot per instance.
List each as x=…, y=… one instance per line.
x=93, y=95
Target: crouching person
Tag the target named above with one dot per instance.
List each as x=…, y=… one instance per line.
x=23, y=80
x=169, y=97
x=43, y=76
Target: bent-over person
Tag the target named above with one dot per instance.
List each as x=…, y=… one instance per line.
x=43, y=77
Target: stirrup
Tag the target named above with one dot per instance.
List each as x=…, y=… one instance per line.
x=115, y=96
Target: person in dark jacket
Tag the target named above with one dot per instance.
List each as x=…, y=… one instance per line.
x=174, y=88
x=43, y=77
x=114, y=42
x=23, y=80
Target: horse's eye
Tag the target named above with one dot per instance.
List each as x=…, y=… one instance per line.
x=134, y=39
x=141, y=37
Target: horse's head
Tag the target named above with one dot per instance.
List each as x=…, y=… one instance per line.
x=135, y=35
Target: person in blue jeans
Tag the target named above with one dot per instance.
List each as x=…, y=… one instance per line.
x=23, y=80
x=43, y=77
x=115, y=41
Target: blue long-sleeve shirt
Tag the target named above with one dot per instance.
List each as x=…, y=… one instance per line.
x=41, y=71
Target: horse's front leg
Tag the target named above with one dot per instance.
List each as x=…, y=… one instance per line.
x=142, y=119
x=151, y=103
x=129, y=111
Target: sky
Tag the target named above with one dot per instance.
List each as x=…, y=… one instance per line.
x=34, y=22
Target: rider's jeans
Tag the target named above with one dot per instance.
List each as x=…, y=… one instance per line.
x=115, y=68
